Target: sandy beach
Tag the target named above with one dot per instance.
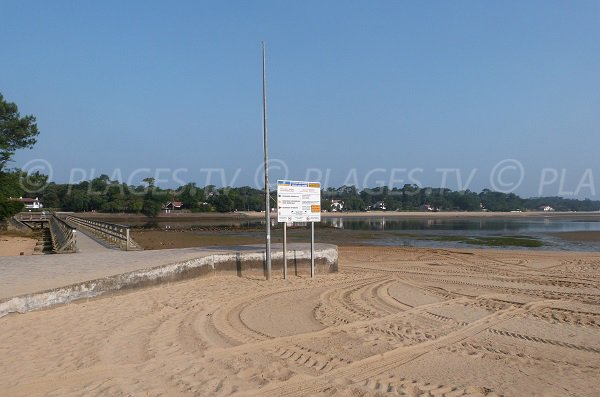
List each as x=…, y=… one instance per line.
x=16, y=245
x=393, y=321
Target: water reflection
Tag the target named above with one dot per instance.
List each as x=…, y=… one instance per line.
x=338, y=223
x=485, y=225
x=391, y=224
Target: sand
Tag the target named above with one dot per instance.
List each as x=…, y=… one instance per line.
x=393, y=321
x=16, y=245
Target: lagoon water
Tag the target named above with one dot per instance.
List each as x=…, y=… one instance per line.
x=396, y=230
x=506, y=225
x=406, y=231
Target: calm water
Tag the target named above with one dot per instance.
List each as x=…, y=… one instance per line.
x=521, y=225
x=515, y=226
x=403, y=231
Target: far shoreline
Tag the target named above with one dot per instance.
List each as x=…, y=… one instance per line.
x=240, y=215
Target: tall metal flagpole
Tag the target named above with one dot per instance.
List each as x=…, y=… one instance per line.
x=266, y=165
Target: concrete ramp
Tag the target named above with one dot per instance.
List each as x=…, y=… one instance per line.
x=36, y=282
x=88, y=245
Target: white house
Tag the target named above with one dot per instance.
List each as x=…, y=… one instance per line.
x=546, y=208
x=337, y=205
x=380, y=205
x=31, y=203
x=172, y=206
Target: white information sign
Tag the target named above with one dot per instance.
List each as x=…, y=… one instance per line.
x=298, y=201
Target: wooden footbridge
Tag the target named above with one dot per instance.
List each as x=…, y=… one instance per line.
x=68, y=233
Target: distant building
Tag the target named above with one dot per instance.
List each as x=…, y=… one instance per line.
x=379, y=206
x=337, y=205
x=31, y=203
x=429, y=207
x=546, y=208
x=173, y=206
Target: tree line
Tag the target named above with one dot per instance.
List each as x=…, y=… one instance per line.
x=103, y=195
x=16, y=132
x=414, y=198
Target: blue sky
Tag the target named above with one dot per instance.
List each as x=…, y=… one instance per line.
x=466, y=94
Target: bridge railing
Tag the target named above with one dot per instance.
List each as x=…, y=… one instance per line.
x=32, y=216
x=17, y=224
x=63, y=236
x=112, y=233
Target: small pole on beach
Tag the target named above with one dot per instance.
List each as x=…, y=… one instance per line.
x=284, y=250
x=312, y=249
x=266, y=165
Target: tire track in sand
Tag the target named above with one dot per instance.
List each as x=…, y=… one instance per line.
x=362, y=371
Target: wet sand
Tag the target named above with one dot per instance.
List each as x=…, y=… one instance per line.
x=223, y=236
x=393, y=321
x=586, y=236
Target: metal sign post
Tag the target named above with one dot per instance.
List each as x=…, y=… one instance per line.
x=266, y=165
x=284, y=250
x=312, y=250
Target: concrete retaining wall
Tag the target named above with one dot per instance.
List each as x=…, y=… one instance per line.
x=241, y=263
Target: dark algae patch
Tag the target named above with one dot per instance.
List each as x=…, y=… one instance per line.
x=505, y=241
x=490, y=241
